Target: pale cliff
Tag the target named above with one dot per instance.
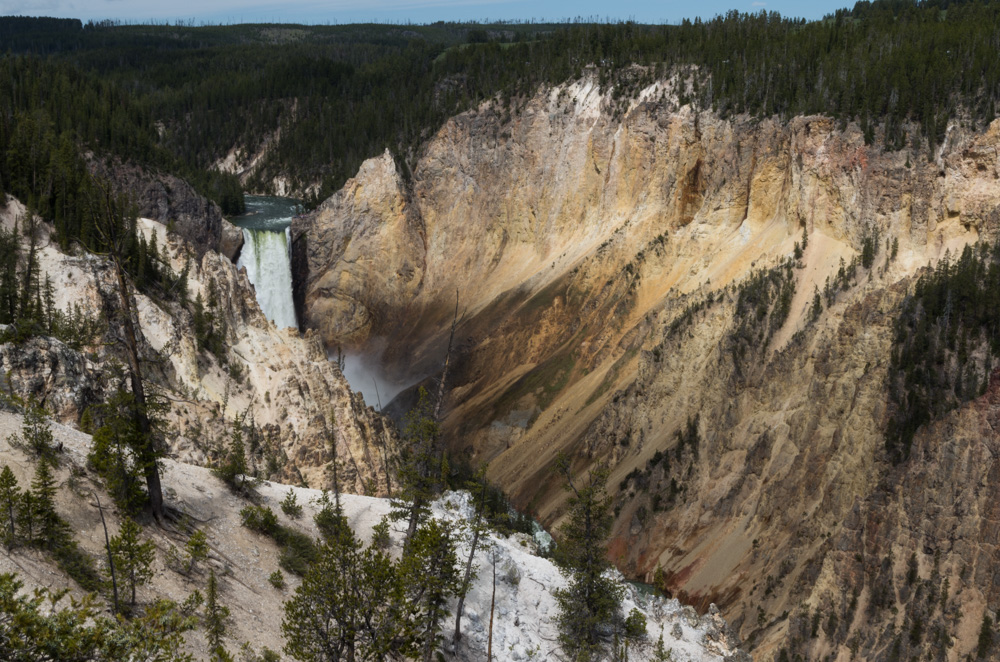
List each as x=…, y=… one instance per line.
x=596, y=257
x=295, y=395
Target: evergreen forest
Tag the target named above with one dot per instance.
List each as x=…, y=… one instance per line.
x=181, y=97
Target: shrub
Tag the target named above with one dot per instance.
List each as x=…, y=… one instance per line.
x=78, y=565
x=290, y=505
x=380, y=535
x=297, y=549
x=635, y=624
x=260, y=519
x=196, y=548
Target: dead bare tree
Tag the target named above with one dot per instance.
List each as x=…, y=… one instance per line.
x=107, y=546
x=441, y=384
x=478, y=529
x=447, y=364
x=383, y=446
x=493, y=602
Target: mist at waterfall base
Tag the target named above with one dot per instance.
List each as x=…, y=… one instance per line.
x=364, y=371
x=266, y=255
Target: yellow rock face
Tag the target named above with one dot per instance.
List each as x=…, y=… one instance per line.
x=596, y=260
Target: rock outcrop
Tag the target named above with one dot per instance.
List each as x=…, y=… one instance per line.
x=597, y=257
x=64, y=381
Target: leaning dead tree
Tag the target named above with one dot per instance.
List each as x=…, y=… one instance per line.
x=447, y=364
x=439, y=403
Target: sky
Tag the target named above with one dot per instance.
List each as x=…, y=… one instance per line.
x=398, y=11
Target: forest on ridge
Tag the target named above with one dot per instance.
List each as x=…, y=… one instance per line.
x=180, y=97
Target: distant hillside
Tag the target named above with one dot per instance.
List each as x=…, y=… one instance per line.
x=296, y=109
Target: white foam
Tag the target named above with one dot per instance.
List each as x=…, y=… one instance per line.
x=267, y=257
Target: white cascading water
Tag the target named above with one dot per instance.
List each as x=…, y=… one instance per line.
x=267, y=257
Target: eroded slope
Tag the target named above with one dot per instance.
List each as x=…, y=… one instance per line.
x=633, y=294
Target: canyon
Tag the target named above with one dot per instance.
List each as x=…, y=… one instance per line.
x=601, y=252
x=279, y=387
x=746, y=267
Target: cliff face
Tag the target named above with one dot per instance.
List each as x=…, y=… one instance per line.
x=597, y=256
x=561, y=190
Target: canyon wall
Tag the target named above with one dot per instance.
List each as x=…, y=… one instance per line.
x=601, y=252
x=171, y=200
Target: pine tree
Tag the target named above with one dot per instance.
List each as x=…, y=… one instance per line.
x=592, y=601
x=40, y=626
x=661, y=653
x=51, y=528
x=153, y=259
x=132, y=557
x=985, y=640
x=49, y=305
x=428, y=571
x=420, y=473
x=330, y=431
x=196, y=548
x=29, y=317
x=26, y=517
x=182, y=283
x=10, y=496
x=817, y=305
x=202, y=327
x=233, y=467
x=290, y=505
x=9, y=258
x=36, y=430
x=216, y=616
x=348, y=606
x=323, y=615
x=142, y=265
x=113, y=453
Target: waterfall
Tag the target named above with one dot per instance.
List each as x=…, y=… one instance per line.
x=267, y=258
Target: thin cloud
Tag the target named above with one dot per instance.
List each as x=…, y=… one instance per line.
x=191, y=8
x=420, y=11
x=35, y=7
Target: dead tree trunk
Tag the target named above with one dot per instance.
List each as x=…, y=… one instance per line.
x=111, y=561
x=466, y=580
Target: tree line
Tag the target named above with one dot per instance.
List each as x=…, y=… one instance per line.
x=52, y=113
x=340, y=94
